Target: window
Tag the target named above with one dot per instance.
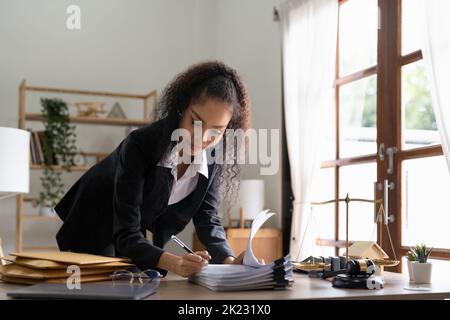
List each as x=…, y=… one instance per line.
x=425, y=214
x=383, y=100
x=361, y=13
x=419, y=124
x=355, y=137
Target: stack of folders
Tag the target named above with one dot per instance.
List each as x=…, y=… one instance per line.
x=251, y=275
x=58, y=267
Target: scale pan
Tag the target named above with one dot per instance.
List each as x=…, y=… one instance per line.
x=310, y=265
x=386, y=262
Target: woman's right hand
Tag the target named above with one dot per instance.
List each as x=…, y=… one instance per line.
x=189, y=264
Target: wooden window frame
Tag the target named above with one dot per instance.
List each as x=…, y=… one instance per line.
x=389, y=123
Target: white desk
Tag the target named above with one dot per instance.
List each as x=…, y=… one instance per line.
x=176, y=288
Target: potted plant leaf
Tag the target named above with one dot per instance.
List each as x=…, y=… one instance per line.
x=421, y=268
x=58, y=148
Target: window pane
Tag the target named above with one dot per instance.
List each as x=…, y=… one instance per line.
x=358, y=27
x=426, y=209
x=410, y=27
x=358, y=182
x=357, y=117
x=323, y=221
x=419, y=123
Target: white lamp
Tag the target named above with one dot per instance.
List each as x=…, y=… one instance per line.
x=251, y=198
x=14, y=164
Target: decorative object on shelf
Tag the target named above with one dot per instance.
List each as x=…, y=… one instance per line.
x=79, y=159
x=250, y=201
x=14, y=164
x=421, y=268
x=61, y=138
x=90, y=109
x=116, y=112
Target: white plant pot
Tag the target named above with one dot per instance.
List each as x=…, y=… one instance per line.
x=47, y=211
x=422, y=272
x=410, y=271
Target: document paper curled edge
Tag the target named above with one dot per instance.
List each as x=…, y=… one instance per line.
x=249, y=257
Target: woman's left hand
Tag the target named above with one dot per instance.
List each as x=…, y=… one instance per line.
x=204, y=254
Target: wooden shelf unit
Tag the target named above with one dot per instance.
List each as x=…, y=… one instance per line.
x=38, y=217
x=93, y=120
x=74, y=168
x=24, y=116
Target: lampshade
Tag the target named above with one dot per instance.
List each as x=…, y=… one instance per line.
x=251, y=198
x=14, y=161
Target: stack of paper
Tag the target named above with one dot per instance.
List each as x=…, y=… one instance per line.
x=57, y=267
x=251, y=275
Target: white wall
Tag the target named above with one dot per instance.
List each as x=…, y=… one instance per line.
x=132, y=46
x=249, y=40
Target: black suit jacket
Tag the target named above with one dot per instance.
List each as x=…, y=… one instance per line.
x=119, y=198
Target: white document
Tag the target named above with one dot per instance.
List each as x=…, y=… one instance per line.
x=251, y=275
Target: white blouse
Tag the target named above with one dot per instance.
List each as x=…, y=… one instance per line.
x=184, y=186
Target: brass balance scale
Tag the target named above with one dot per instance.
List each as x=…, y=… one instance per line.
x=381, y=218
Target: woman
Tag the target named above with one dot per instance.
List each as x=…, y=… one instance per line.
x=142, y=185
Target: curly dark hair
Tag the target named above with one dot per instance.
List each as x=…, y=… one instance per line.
x=211, y=79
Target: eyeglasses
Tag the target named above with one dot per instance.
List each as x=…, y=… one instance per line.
x=146, y=277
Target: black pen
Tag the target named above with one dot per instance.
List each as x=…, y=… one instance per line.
x=181, y=244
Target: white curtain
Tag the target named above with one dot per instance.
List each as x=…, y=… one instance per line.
x=436, y=54
x=309, y=33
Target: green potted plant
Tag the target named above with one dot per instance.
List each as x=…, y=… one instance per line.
x=58, y=148
x=421, y=268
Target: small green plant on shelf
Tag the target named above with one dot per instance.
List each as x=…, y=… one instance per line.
x=59, y=149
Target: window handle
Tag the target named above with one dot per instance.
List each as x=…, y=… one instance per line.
x=390, y=154
x=385, y=187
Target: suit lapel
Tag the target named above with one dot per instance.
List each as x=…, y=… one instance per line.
x=200, y=190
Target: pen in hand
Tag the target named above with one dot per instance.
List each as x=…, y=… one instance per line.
x=185, y=247
x=181, y=244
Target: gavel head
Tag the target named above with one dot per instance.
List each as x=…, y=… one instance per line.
x=360, y=267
